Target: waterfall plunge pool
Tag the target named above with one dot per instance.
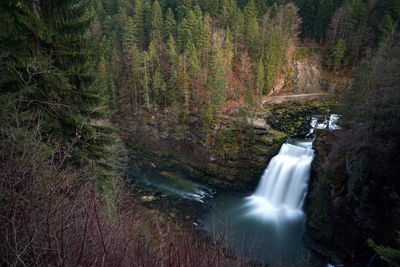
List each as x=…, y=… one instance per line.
x=267, y=226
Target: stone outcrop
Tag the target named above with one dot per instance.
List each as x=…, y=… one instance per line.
x=305, y=74
x=230, y=153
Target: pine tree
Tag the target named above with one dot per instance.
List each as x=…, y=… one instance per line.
x=260, y=77
x=229, y=48
x=252, y=32
x=53, y=66
x=139, y=21
x=193, y=29
x=274, y=54
x=386, y=28
x=157, y=22
x=322, y=18
x=135, y=78
x=170, y=23
x=229, y=8
x=338, y=54
x=145, y=81
x=216, y=81
x=159, y=88
x=128, y=33
x=238, y=28
x=183, y=8
x=173, y=60
x=193, y=61
x=184, y=82
x=155, y=62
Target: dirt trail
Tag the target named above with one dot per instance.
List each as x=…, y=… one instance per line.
x=276, y=99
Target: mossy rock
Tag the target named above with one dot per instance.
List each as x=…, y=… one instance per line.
x=293, y=118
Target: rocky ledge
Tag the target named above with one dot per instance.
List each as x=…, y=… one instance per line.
x=230, y=153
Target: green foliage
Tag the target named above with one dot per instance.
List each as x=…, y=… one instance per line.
x=260, y=77
x=390, y=255
x=274, y=54
x=183, y=82
x=229, y=9
x=51, y=74
x=170, y=23
x=251, y=28
x=335, y=61
x=183, y=8
x=157, y=22
x=139, y=22
x=128, y=33
x=193, y=60
x=173, y=59
x=386, y=28
x=216, y=81
x=145, y=82
x=193, y=30
x=159, y=87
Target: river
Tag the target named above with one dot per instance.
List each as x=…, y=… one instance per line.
x=267, y=225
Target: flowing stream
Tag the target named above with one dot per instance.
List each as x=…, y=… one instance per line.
x=268, y=225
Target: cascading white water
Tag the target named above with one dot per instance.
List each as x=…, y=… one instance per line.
x=283, y=185
x=269, y=225
x=284, y=182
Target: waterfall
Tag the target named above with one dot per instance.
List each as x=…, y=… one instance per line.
x=284, y=182
x=269, y=225
x=283, y=185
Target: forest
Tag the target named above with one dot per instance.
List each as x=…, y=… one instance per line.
x=90, y=88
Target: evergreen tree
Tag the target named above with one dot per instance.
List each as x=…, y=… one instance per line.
x=252, y=32
x=216, y=81
x=135, y=78
x=157, y=22
x=274, y=54
x=260, y=76
x=183, y=8
x=184, y=83
x=386, y=28
x=229, y=48
x=238, y=28
x=159, y=88
x=145, y=81
x=139, y=21
x=322, y=18
x=53, y=67
x=155, y=62
x=338, y=54
x=229, y=8
x=193, y=61
x=170, y=23
x=173, y=59
x=193, y=29
x=128, y=33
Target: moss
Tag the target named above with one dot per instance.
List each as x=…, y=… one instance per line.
x=293, y=118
